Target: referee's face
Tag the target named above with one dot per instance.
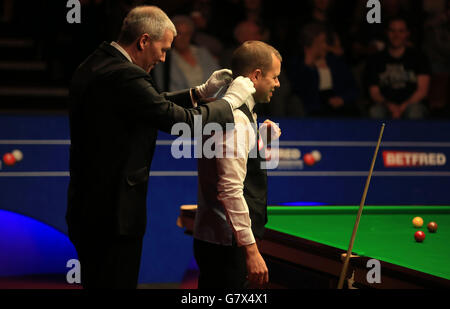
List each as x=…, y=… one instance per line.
x=155, y=51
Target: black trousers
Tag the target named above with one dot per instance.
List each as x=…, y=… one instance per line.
x=220, y=266
x=109, y=262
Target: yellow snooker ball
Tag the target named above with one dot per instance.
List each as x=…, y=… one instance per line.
x=417, y=222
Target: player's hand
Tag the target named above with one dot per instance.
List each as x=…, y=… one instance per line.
x=215, y=83
x=273, y=128
x=257, y=272
x=239, y=91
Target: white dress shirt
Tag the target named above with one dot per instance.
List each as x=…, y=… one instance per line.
x=123, y=51
x=222, y=209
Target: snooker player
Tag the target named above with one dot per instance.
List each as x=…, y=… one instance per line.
x=232, y=198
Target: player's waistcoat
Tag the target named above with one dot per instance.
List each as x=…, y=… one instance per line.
x=255, y=185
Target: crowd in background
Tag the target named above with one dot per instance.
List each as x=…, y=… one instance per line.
x=335, y=63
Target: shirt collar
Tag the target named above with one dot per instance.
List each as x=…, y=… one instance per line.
x=250, y=103
x=123, y=51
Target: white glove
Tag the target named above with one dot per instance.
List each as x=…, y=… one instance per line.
x=214, y=84
x=239, y=91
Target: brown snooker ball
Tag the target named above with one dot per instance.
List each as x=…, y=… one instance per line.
x=432, y=227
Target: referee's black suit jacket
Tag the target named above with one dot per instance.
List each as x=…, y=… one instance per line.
x=115, y=112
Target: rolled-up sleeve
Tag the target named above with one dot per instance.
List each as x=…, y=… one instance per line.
x=232, y=170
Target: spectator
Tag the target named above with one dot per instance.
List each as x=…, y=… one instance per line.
x=187, y=65
x=366, y=39
x=320, y=11
x=245, y=31
x=254, y=10
x=229, y=13
x=437, y=47
x=322, y=80
x=398, y=77
x=202, y=14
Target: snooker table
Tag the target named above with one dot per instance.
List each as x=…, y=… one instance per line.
x=304, y=246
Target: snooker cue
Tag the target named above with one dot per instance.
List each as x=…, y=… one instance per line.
x=358, y=217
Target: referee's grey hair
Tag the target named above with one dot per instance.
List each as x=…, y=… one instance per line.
x=145, y=19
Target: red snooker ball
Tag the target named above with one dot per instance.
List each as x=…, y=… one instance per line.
x=308, y=159
x=419, y=236
x=432, y=227
x=9, y=159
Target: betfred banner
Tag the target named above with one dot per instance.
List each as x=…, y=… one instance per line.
x=413, y=159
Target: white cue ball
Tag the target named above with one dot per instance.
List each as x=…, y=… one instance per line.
x=316, y=155
x=17, y=154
